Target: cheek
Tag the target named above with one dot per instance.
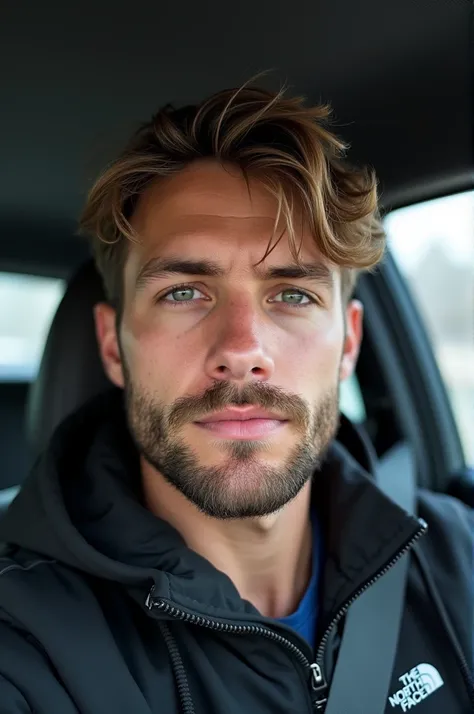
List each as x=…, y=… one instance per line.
x=163, y=363
x=315, y=355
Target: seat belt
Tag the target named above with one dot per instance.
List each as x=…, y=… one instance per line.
x=364, y=666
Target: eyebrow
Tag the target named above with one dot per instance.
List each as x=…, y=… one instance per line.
x=157, y=268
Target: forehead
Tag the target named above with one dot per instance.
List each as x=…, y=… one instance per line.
x=210, y=210
x=206, y=187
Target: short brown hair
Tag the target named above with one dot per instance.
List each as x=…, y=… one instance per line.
x=280, y=140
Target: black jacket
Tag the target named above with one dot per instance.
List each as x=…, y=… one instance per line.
x=104, y=610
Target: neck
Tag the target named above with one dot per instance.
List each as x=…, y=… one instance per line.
x=268, y=559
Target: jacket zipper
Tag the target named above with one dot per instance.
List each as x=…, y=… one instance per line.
x=317, y=680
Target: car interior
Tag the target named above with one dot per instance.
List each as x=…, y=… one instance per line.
x=80, y=77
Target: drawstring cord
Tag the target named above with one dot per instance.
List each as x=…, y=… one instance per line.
x=187, y=706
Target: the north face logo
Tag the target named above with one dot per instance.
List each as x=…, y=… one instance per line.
x=418, y=684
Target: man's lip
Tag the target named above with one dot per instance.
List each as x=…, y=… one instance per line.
x=247, y=429
x=240, y=414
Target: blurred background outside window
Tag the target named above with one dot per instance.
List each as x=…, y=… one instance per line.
x=433, y=244
x=28, y=306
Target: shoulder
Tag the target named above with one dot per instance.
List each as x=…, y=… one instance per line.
x=448, y=547
x=450, y=539
x=443, y=559
x=25, y=579
x=32, y=585
x=18, y=565
x=449, y=520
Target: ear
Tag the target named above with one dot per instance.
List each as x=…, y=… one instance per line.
x=107, y=338
x=354, y=320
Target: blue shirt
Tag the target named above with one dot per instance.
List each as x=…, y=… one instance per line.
x=304, y=619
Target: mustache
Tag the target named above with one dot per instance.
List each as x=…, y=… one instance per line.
x=226, y=394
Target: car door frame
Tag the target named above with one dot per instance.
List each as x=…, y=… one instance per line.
x=401, y=351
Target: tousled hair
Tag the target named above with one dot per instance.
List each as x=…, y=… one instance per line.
x=279, y=140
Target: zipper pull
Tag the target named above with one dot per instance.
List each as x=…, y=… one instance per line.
x=149, y=602
x=319, y=688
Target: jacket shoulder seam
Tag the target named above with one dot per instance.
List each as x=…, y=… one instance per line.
x=17, y=566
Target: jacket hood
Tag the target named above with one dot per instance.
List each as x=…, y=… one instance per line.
x=82, y=506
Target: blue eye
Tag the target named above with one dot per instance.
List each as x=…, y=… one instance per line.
x=185, y=294
x=181, y=294
x=293, y=297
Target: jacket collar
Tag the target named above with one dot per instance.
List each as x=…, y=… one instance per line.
x=363, y=529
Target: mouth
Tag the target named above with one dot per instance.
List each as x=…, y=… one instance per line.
x=242, y=423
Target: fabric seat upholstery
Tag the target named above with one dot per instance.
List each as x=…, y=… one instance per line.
x=71, y=371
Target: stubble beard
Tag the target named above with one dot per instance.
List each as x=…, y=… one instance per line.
x=243, y=486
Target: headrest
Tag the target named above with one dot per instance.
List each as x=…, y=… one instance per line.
x=71, y=371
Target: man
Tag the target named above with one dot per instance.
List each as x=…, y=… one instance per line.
x=190, y=541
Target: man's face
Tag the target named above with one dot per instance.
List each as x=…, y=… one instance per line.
x=231, y=370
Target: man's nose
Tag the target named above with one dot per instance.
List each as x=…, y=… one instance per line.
x=238, y=351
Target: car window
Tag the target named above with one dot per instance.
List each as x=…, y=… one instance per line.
x=351, y=401
x=28, y=304
x=433, y=244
